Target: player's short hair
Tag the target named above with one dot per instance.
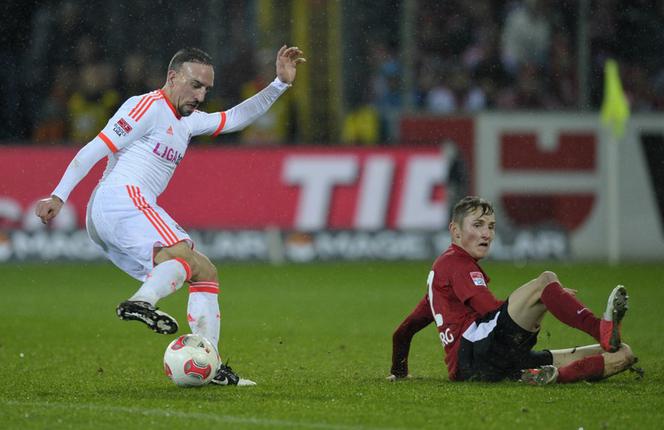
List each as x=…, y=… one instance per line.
x=468, y=205
x=189, y=55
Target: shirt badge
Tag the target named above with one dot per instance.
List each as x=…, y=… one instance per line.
x=478, y=279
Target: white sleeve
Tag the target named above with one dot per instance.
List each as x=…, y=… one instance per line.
x=84, y=160
x=240, y=116
x=131, y=121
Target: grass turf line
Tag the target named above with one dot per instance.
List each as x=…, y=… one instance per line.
x=317, y=340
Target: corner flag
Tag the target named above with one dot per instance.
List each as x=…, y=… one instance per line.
x=614, y=113
x=615, y=109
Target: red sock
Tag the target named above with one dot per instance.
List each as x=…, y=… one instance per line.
x=587, y=368
x=568, y=310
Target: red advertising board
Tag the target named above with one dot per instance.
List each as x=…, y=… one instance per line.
x=240, y=188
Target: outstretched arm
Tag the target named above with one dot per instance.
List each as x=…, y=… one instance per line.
x=242, y=115
x=419, y=318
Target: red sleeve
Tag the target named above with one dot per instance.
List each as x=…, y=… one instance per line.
x=484, y=302
x=471, y=287
x=419, y=318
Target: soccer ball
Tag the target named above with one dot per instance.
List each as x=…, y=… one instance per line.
x=191, y=361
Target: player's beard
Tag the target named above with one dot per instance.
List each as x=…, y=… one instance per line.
x=190, y=108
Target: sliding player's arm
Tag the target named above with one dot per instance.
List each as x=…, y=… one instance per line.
x=419, y=318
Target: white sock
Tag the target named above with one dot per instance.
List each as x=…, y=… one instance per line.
x=166, y=278
x=203, y=310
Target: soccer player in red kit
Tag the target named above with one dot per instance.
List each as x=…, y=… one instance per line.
x=487, y=339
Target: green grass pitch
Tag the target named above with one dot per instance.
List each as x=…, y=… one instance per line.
x=316, y=338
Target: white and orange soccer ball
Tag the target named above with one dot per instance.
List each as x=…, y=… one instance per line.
x=191, y=361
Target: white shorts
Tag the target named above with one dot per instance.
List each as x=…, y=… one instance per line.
x=128, y=226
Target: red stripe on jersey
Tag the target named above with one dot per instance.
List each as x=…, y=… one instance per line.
x=141, y=102
x=222, y=123
x=108, y=142
x=143, y=206
x=145, y=108
x=140, y=106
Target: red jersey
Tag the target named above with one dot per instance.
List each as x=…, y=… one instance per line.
x=458, y=295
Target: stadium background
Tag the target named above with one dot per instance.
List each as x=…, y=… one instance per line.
x=414, y=103
x=401, y=106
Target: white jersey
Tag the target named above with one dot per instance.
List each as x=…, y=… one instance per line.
x=146, y=139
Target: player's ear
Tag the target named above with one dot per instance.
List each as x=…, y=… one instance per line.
x=170, y=77
x=454, y=230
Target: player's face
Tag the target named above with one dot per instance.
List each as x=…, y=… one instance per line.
x=475, y=234
x=190, y=86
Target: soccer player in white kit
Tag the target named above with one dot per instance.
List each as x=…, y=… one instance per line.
x=144, y=142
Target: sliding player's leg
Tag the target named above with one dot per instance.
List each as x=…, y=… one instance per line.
x=588, y=363
x=528, y=304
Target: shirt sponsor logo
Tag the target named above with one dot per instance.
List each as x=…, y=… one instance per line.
x=167, y=153
x=118, y=130
x=125, y=125
x=478, y=279
x=122, y=127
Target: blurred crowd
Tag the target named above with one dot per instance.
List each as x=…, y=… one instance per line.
x=518, y=55
x=469, y=57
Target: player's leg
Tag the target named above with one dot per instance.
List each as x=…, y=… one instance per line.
x=419, y=318
x=525, y=307
x=563, y=357
x=596, y=367
x=129, y=232
x=203, y=313
x=141, y=307
x=162, y=280
x=592, y=363
x=528, y=304
x=203, y=307
x=619, y=361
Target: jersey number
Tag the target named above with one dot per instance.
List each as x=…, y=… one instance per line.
x=446, y=337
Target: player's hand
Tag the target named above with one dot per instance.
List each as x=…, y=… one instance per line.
x=47, y=209
x=287, y=61
x=571, y=291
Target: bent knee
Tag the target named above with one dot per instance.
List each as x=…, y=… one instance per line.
x=203, y=269
x=179, y=250
x=546, y=278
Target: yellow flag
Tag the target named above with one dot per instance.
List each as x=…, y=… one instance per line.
x=615, y=108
